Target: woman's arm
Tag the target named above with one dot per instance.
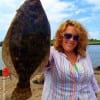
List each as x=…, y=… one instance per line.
x=94, y=83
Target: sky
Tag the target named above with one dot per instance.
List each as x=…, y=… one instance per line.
x=85, y=11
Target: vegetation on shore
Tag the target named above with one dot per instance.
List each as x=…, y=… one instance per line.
x=94, y=41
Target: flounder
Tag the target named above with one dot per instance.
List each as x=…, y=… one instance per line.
x=27, y=44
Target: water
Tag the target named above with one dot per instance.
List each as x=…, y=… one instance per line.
x=1, y=62
x=94, y=51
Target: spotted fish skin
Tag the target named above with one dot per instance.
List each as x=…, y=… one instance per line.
x=29, y=40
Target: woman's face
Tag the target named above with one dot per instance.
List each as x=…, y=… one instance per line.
x=70, y=39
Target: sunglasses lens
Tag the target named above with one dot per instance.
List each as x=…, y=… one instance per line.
x=76, y=38
x=67, y=36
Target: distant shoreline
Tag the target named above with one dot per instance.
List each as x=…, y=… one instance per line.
x=98, y=43
x=88, y=44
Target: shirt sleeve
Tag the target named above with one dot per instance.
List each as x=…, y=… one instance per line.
x=94, y=83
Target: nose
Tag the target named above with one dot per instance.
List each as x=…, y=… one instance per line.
x=72, y=38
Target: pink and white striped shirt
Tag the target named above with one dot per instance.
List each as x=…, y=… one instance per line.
x=63, y=82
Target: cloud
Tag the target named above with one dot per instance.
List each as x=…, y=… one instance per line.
x=94, y=2
x=78, y=11
x=11, y=5
x=56, y=9
x=84, y=19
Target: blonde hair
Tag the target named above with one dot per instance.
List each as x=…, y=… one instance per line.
x=83, y=37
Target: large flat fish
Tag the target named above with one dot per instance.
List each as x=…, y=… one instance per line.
x=27, y=42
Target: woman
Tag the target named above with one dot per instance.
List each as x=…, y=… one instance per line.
x=69, y=74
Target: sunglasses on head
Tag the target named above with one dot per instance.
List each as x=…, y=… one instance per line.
x=69, y=35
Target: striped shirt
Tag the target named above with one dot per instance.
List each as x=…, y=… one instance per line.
x=64, y=82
